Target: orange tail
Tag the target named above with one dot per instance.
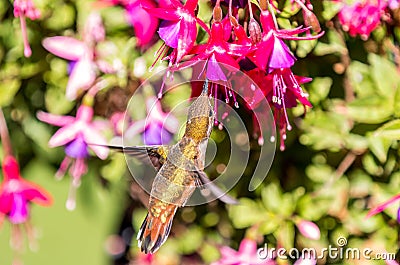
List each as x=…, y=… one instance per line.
x=155, y=228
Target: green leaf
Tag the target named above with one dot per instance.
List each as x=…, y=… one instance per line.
x=247, y=213
x=379, y=146
x=8, y=89
x=319, y=89
x=385, y=75
x=390, y=130
x=370, y=165
x=370, y=110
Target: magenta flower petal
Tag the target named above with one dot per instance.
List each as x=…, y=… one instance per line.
x=281, y=56
x=19, y=210
x=35, y=193
x=81, y=78
x=5, y=202
x=187, y=34
x=53, y=119
x=65, y=47
x=143, y=22
x=169, y=32
x=64, y=135
x=214, y=71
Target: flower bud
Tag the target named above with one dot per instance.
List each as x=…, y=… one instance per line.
x=311, y=20
x=309, y=229
x=217, y=13
x=254, y=31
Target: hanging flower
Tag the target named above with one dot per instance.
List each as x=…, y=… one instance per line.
x=23, y=9
x=16, y=194
x=84, y=64
x=75, y=135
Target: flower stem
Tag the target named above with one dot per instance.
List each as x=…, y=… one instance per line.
x=5, y=137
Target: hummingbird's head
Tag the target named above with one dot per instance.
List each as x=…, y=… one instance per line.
x=200, y=116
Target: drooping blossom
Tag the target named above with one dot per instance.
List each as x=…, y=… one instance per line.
x=144, y=23
x=179, y=27
x=84, y=64
x=361, y=17
x=16, y=193
x=25, y=9
x=157, y=128
x=308, y=229
x=247, y=254
x=384, y=205
x=76, y=135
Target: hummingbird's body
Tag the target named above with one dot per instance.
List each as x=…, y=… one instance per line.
x=180, y=171
x=178, y=176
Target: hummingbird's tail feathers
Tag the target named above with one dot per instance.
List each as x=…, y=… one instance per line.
x=154, y=232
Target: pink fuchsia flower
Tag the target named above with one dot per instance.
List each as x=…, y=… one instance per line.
x=23, y=9
x=144, y=23
x=76, y=134
x=361, y=17
x=16, y=196
x=81, y=54
x=16, y=193
x=384, y=205
x=282, y=90
x=178, y=30
x=308, y=229
x=157, y=128
x=247, y=254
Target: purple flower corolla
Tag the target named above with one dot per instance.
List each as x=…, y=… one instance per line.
x=76, y=134
x=157, y=128
x=384, y=205
x=23, y=9
x=81, y=54
x=246, y=255
x=309, y=229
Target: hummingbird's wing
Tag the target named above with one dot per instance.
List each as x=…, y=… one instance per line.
x=157, y=154
x=203, y=182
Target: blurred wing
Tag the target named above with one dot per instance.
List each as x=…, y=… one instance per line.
x=157, y=154
x=203, y=182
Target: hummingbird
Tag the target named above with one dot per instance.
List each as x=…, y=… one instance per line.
x=180, y=169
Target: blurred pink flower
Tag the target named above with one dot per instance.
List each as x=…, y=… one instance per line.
x=247, y=254
x=23, y=9
x=157, y=128
x=144, y=23
x=81, y=54
x=361, y=17
x=76, y=134
x=16, y=193
x=309, y=229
